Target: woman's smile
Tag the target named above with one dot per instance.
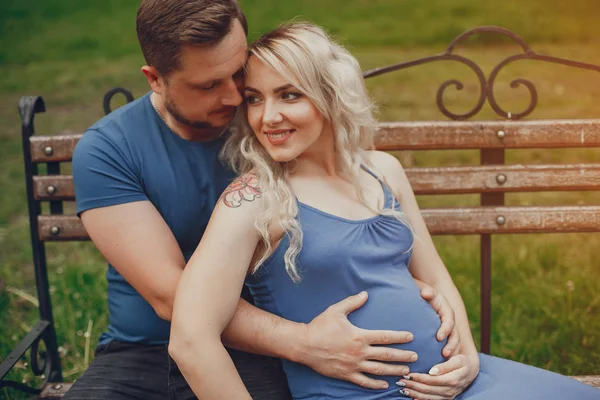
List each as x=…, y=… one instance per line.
x=279, y=136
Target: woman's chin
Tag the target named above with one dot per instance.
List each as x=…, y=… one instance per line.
x=281, y=157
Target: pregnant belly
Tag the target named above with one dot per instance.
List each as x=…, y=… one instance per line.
x=403, y=309
x=395, y=305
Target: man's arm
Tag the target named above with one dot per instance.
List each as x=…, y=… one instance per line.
x=134, y=238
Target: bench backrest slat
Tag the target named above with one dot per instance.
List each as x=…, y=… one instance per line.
x=485, y=135
x=53, y=187
x=491, y=220
x=440, y=180
x=419, y=136
x=504, y=178
x=53, y=148
x=440, y=221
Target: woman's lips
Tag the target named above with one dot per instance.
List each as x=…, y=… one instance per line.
x=279, y=136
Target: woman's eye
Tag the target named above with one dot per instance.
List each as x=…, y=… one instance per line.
x=252, y=99
x=290, y=96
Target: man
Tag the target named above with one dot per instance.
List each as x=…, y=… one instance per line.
x=146, y=179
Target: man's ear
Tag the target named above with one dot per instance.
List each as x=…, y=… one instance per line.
x=155, y=80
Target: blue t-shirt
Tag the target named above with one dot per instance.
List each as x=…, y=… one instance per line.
x=131, y=155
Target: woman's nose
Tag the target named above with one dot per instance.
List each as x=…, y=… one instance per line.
x=271, y=115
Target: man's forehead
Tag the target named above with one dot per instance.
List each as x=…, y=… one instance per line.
x=218, y=61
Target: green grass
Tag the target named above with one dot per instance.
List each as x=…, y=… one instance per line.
x=72, y=51
x=78, y=29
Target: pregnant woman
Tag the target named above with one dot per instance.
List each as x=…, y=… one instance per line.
x=318, y=216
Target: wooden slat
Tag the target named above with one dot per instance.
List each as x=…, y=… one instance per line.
x=440, y=180
x=58, y=390
x=55, y=390
x=592, y=380
x=484, y=220
x=441, y=221
x=484, y=135
x=504, y=178
x=53, y=187
x=62, y=147
x=421, y=136
x=70, y=228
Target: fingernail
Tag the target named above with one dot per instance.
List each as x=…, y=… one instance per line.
x=400, y=383
x=410, y=337
x=414, y=358
x=434, y=371
x=404, y=392
x=407, y=377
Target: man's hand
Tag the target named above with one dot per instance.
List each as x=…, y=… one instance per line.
x=446, y=313
x=445, y=381
x=336, y=348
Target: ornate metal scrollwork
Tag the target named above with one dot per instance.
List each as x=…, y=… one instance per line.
x=40, y=362
x=486, y=90
x=110, y=94
x=40, y=365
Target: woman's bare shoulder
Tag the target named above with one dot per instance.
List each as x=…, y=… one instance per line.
x=385, y=163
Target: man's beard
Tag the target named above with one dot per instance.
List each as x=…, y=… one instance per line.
x=174, y=111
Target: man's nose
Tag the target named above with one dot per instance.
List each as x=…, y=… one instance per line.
x=232, y=96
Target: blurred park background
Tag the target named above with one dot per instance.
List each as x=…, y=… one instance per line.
x=546, y=288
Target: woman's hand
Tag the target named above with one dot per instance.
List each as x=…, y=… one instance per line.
x=333, y=347
x=442, y=307
x=445, y=381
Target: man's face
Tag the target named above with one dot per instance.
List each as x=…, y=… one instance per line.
x=205, y=91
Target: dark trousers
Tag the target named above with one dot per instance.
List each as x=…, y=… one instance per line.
x=132, y=371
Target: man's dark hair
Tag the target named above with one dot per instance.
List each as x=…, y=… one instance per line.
x=165, y=26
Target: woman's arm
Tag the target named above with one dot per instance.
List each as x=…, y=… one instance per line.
x=427, y=266
x=206, y=299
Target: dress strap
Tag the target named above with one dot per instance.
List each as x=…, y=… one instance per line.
x=389, y=199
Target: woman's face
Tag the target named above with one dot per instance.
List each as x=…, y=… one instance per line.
x=284, y=120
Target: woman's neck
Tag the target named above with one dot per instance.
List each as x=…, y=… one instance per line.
x=319, y=160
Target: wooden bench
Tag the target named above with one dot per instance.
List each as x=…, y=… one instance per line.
x=492, y=179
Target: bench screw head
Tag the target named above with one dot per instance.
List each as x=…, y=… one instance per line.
x=55, y=230
x=51, y=189
x=500, y=134
x=57, y=386
x=48, y=151
x=501, y=179
x=500, y=220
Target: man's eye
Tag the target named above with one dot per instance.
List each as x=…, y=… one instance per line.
x=209, y=87
x=290, y=96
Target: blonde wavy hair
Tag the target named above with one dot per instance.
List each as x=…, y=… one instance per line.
x=331, y=78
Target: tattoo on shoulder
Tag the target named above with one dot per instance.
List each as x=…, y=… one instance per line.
x=244, y=188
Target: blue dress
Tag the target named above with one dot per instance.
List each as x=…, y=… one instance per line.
x=342, y=257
